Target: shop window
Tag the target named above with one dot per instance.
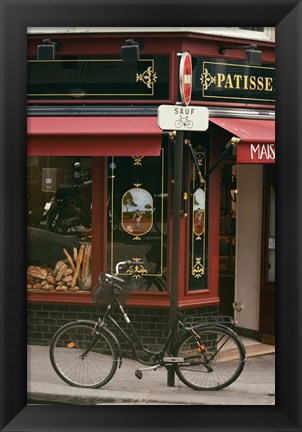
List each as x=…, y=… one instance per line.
x=253, y=33
x=137, y=218
x=198, y=219
x=59, y=221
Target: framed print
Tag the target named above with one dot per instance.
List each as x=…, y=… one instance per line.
x=136, y=208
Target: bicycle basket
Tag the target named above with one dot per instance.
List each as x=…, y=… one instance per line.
x=104, y=290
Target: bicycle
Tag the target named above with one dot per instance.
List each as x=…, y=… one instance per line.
x=207, y=354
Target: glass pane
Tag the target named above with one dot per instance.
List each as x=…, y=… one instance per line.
x=59, y=205
x=260, y=29
x=271, y=240
x=137, y=222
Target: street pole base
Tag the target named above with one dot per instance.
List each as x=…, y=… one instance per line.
x=171, y=377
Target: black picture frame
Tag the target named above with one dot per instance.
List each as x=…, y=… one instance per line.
x=16, y=16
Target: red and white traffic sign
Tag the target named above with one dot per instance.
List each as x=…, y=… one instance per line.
x=185, y=78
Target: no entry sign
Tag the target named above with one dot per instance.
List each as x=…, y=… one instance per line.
x=185, y=78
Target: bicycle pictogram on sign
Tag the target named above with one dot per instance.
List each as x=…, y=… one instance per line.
x=184, y=121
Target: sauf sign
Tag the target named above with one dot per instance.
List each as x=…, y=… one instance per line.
x=256, y=153
x=183, y=117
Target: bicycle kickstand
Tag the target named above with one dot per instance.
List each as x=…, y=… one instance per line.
x=139, y=372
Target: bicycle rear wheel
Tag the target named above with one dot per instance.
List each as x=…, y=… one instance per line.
x=80, y=357
x=214, y=358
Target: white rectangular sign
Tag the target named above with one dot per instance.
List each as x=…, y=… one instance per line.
x=184, y=118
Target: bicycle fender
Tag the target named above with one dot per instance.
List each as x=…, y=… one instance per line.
x=110, y=335
x=225, y=327
x=206, y=325
x=118, y=345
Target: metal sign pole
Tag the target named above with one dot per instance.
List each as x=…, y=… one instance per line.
x=176, y=218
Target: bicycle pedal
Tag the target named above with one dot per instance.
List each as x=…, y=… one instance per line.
x=138, y=374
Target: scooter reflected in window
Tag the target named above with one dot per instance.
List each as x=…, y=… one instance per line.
x=70, y=210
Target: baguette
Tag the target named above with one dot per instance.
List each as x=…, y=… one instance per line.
x=75, y=254
x=69, y=259
x=84, y=262
x=87, y=267
x=77, y=269
x=61, y=272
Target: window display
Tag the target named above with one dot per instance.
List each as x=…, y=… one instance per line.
x=59, y=221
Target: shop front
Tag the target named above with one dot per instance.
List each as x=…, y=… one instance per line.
x=101, y=176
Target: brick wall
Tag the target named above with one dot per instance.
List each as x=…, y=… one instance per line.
x=151, y=324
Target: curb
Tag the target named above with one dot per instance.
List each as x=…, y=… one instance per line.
x=54, y=394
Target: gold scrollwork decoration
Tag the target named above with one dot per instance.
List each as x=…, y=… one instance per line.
x=206, y=79
x=136, y=271
x=200, y=154
x=198, y=269
x=137, y=160
x=148, y=77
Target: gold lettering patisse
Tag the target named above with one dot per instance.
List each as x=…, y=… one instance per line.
x=245, y=82
x=252, y=83
x=268, y=84
x=220, y=79
x=260, y=85
x=238, y=79
x=228, y=82
x=245, y=87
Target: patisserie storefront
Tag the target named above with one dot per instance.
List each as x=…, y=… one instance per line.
x=101, y=172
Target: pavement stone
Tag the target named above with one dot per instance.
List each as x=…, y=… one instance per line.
x=255, y=386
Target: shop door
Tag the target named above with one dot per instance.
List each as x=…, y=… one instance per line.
x=267, y=293
x=227, y=238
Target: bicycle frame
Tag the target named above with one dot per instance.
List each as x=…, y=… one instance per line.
x=132, y=338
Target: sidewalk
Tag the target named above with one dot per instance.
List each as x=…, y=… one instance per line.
x=255, y=386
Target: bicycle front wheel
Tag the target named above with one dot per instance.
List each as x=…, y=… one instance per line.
x=213, y=358
x=81, y=357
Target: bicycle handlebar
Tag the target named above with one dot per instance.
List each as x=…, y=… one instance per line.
x=117, y=279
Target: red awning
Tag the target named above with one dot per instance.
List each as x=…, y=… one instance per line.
x=257, y=138
x=93, y=136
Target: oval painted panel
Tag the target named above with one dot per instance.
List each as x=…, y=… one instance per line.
x=199, y=212
x=137, y=211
